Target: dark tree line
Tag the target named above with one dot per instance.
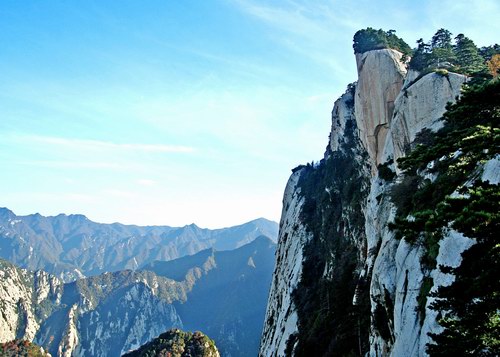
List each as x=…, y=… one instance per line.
x=459, y=54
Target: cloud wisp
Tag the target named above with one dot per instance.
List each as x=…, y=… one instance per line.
x=83, y=145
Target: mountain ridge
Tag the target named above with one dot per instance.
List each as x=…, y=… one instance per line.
x=114, y=312
x=72, y=246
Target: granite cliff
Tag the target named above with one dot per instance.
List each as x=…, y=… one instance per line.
x=348, y=280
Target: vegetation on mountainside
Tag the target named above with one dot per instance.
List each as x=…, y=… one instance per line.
x=457, y=199
x=460, y=55
x=177, y=343
x=329, y=323
x=21, y=348
x=370, y=39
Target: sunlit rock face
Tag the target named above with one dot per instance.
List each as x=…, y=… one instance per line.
x=387, y=108
x=281, y=317
x=420, y=105
x=381, y=75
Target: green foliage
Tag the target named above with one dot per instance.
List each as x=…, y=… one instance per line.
x=442, y=49
x=487, y=52
x=441, y=39
x=468, y=58
x=425, y=288
x=401, y=194
x=385, y=172
x=334, y=192
x=462, y=57
x=420, y=59
x=470, y=306
x=370, y=39
x=441, y=72
x=177, y=343
x=471, y=136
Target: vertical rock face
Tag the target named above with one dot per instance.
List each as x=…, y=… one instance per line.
x=25, y=299
x=321, y=200
x=420, y=106
x=376, y=95
x=386, y=110
x=281, y=315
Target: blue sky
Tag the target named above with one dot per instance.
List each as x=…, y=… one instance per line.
x=173, y=112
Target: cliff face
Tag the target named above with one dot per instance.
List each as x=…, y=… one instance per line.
x=344, y=283
x=281, y=317
x=25, y=300
x=375, y=97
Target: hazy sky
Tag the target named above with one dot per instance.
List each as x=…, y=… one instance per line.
x=180, y=111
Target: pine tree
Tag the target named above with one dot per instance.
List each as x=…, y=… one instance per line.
x=487, y=52
x=421, y=56
x=442, y=49
x=470, y=306
x=468, y=58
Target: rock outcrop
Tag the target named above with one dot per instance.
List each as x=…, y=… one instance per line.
x=281, y=317
x=177, y=343
x=26, y=298
x=375, y=97
x=421, y=105
x=382, y=284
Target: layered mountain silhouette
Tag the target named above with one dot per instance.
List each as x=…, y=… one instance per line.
x=220, y=292
x=72, y=246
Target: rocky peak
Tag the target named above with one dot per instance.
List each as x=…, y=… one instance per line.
x=6, y=214
x=381, y=74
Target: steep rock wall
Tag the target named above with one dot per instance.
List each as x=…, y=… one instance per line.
x=420, y=105
x=376, y=95
x=322, y=248
x=26, y=298
x=388, y=109
x=281, y=315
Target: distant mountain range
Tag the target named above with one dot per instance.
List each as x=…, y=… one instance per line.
x=222, y=293
x=72, y=246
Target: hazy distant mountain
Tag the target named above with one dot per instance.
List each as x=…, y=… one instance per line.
x=72, y=246
x=229, y=302
x=222, y=293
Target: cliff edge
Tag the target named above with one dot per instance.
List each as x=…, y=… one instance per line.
x=349, y=278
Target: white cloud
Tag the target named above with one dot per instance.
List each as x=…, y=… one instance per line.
x=78, y=164
x=146, y=182
x=80, y=144
x=118, y=193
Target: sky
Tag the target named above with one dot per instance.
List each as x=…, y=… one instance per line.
x=158, y=112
